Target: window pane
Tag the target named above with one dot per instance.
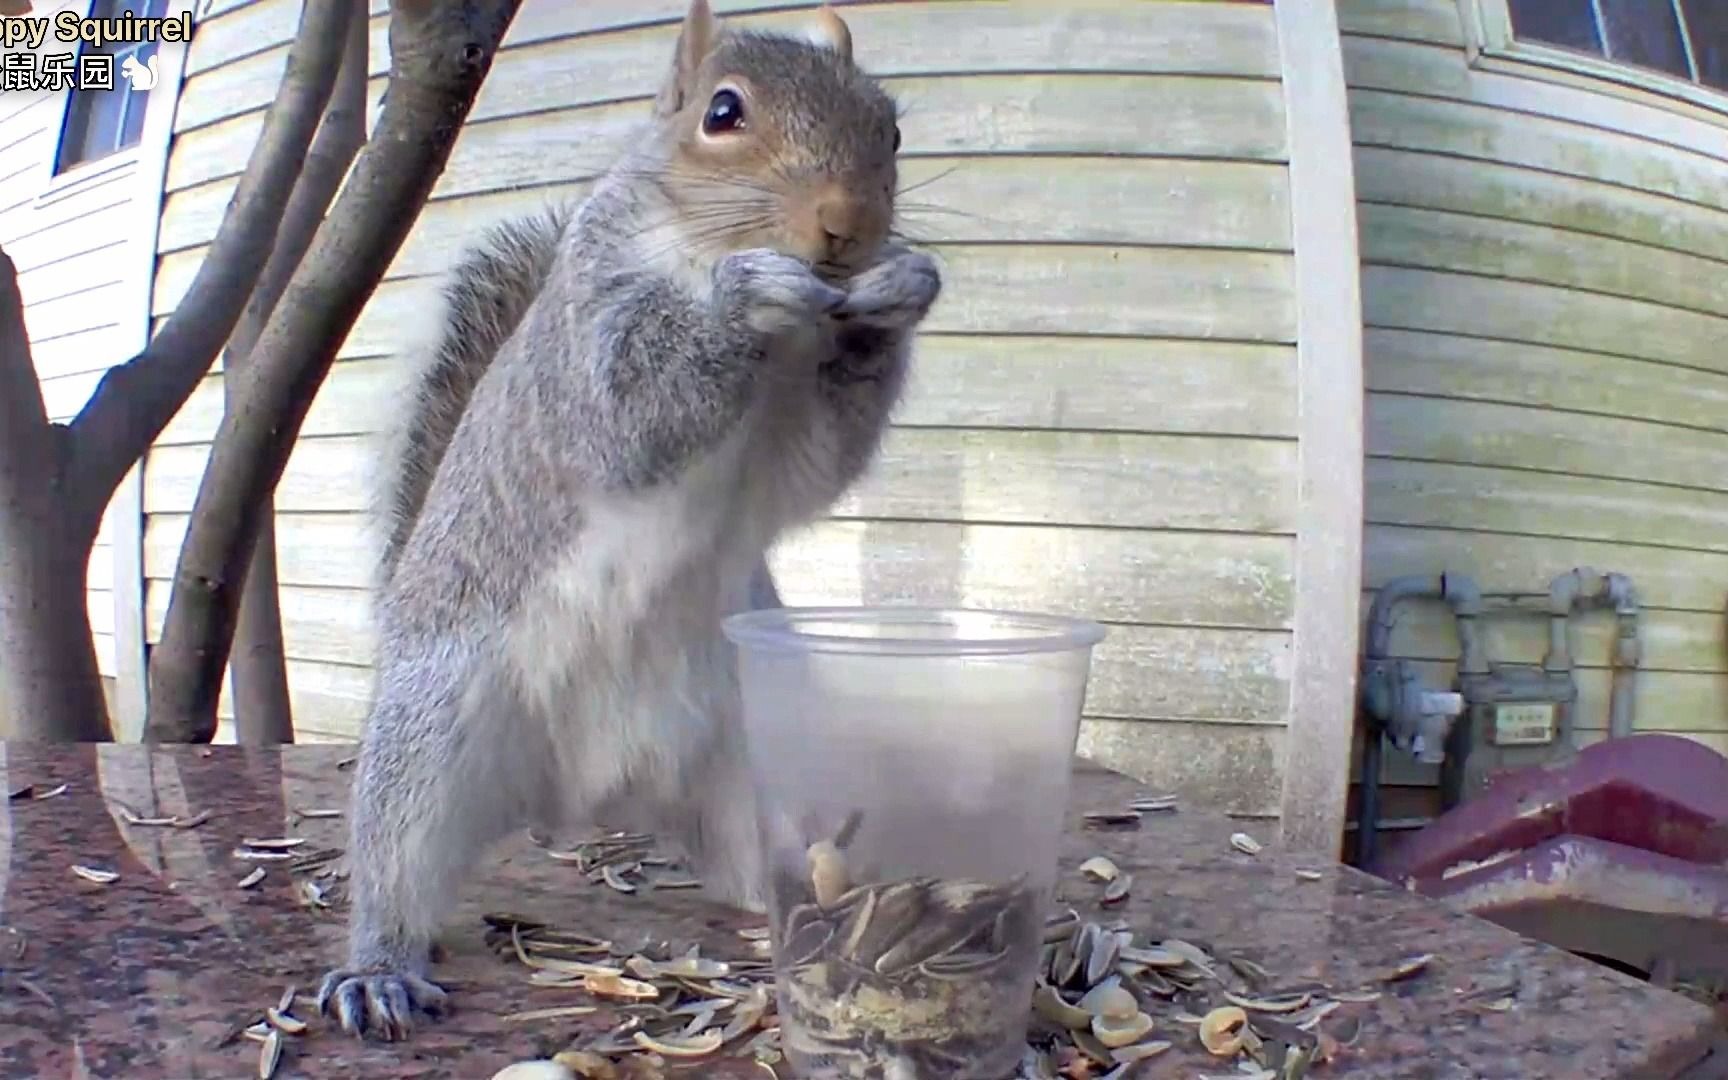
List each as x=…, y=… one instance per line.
x=1707, y=22
x=1568, y=23
x=100, y=122
x=1645, y=32
x=135, y=110
x=92, y=125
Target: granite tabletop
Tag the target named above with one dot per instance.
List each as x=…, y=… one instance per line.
x=151, y=974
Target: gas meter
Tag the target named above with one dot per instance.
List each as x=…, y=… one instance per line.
x=1514, y=715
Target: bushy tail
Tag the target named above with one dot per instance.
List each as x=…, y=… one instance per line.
x=485, y=298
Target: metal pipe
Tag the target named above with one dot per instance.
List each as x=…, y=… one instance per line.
x=1574, y=589
x=1379, y=643
x=1386, y=601
x=1564, y=593
x=1628, y=654
x=1368, y=802
x=1464, y=597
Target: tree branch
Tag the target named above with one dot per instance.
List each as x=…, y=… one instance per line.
x=263, y=714
x=48, y=674
x=441, y=51
x=136, y=400
x=26, y=439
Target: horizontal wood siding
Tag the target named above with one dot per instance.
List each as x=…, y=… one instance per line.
x=1102, y=419
x=1544, y=327
x=73, y=242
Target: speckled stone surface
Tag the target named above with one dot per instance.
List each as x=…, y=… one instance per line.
x=143, y=977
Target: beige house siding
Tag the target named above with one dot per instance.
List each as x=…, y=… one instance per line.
x=1542, y=267
x=82, y=243
x=1104, y=415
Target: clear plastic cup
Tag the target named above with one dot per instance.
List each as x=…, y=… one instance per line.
x=911, y=769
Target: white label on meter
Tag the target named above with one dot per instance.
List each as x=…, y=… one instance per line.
x=1529, y=724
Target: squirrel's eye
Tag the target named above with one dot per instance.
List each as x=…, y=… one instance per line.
x=896, y=139
x=725, y=113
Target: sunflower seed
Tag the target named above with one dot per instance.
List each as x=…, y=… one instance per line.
x=133, y=819
x=615, y=880
x=270, y=1056
x=95, y=875
x=747, y=1014
x=695, y=967
x=1409, y=967
x=284, y=1023
x=1244, y=843
x=1308, y=875
x=678, y=883
x=1356, y=997
x=1268, y=1005
x=827, y=872
x=252, y=879
x=1051, y=1006
x=1310, y=1017
x=1101, y=957
x=1127, y=1055
x=1222, y=1031
x=1153, y=805
x=1108, y=819
x=274, y=843
x=262, y=856
x=1117, y=890
x=559, y=1013
x=1099, y=868
x=320, y=812
x=619, y=987
x=286, y=1000
x=695, y=1046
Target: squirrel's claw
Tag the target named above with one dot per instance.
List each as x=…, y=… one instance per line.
x=380, y=1004
x=895, y=294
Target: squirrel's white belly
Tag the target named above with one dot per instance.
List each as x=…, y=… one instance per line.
x=617, y=649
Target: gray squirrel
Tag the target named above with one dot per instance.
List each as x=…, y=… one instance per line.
x=631, y=400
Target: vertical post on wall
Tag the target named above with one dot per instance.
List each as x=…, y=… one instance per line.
x=126, y=511
x=1322, y=712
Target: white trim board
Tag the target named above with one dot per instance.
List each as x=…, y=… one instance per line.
x=1322, y=711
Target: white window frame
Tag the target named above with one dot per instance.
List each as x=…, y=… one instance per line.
x=1491, y=43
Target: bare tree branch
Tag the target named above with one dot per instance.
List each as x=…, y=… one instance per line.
x=136, y=400
x=48, y=672
x=26, y=440
x=441, y=51
x=258, y=668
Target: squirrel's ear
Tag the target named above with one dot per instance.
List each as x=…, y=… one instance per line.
x=831, y=30
x=695, y=42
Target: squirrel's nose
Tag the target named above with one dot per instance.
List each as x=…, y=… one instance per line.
x=841, y=219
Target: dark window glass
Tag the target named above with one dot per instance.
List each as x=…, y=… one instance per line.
x=102, y=122
x=1645, y=32
x=1568, y=23
x=1707, y=23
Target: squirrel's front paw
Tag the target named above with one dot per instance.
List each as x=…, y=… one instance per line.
x=895, y=294
x=772, y=292
x=379, y=1003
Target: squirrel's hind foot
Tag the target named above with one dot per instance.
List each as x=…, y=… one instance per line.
x=380, y=1004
